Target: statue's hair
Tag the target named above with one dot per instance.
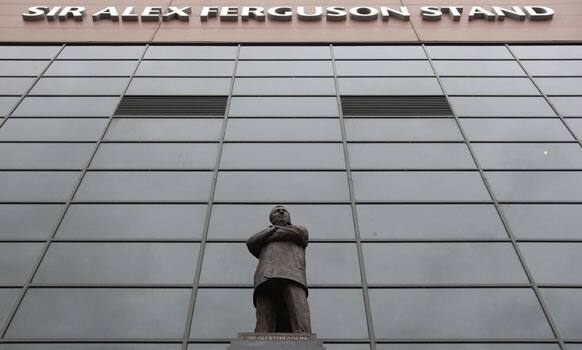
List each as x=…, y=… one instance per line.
x=275, y=208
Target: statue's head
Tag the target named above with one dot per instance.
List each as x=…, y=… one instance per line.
x=279, y=216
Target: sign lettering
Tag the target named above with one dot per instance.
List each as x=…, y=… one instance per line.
x=288, y=13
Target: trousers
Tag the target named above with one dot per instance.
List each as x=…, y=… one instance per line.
x=281, y=306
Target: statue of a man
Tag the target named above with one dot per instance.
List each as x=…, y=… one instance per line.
x=280, y=295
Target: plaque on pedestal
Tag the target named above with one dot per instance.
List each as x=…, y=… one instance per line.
x=276, y=341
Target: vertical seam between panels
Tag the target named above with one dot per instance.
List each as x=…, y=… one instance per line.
x=570, y=130
x=544, y=95
x=155, y=32
x=504, y=221
x=198, y=270
x=364, y=281
x=27, y=91
x=412, y=24
x=76, y=187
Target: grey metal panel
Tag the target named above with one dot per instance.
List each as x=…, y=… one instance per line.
x=266, y=186
x=547, y=51
x=560, y=86
x=284, y=52
x=458, y=313
x=144, y=186
x=414, y=186
x=541, y=186
x=389, y=86
x=101, y=52
x=6, y=104
x=101, y=313
x=510, y=129
x=79, y=86
x=28, y=221
x=133, y=221
x=565, y=308
x=576, y=126
x=66, y=107
x=7, y=298
x=91, y=68
x=283, y=107
x=283, y=86
x=478, y=52
x=501, y=107
x=155, y=156
x=44, y=155
x=568, y=106
x=402, y=130
x=529, y=156
x=15, y=86
x=333, y=264
x=410, y=156
x=384, y=68
x=227, y=264
x=430, y=221
x=190, y=52
x=378, y=52
x=283, y=68
x=22, y=68
x=38, y=186
x=544, y=221
x=442, y=263
x=181, y=86
x=348, y=321
x=489, y=86
x=31, y=51
x=52, y=129
x=164, y=130
x=282, y=156
x=186, y=68
x=553, y=68
x=122, y=263
x=554, y=263
x=283, y=130
x=478, y=68
x=17, y=261
x=221, y=313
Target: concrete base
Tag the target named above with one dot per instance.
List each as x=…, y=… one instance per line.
x=276, y=341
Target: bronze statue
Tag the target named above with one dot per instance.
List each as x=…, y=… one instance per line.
x=280, y=295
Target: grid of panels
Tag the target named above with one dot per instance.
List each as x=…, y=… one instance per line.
x=462, y=230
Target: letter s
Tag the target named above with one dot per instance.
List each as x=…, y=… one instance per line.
x=35, y=13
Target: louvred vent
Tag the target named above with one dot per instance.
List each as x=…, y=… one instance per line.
x=395, y=106
x=172, y=105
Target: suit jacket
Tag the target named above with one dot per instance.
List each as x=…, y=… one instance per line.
x=281, y=254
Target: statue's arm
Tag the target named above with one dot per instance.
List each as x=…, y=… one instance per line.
x=291, y=233
x=305, y=236
x=256, y=242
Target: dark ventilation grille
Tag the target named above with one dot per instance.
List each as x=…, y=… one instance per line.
x=172, y=105
x=395, y=106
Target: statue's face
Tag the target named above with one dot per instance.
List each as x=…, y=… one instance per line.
x=279, y=216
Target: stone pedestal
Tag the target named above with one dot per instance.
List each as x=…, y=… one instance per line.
x=276, y=341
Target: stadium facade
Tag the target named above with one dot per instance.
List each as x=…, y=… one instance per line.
x=433, y=152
